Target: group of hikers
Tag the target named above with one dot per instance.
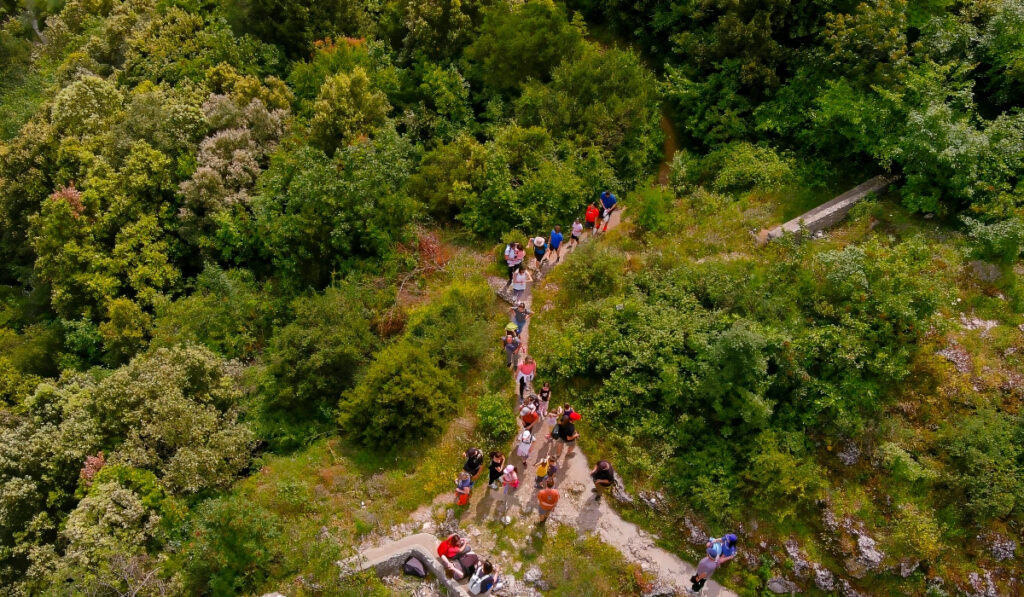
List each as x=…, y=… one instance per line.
x=533, y=409
x=595, y=219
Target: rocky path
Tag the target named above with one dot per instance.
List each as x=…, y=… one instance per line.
x=576, y=507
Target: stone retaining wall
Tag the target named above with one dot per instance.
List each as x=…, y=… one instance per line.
x=830, y=213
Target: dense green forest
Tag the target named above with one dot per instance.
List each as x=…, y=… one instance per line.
x=244, y=249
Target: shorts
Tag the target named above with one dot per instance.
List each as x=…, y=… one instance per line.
x=589, y=225
x=539, y=254
x=543, y=510
x=554, y=248
x=574, y=237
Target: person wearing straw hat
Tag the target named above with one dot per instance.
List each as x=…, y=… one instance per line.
x=540, y=249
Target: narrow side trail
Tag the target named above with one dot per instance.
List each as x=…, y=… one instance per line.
x=577, y=507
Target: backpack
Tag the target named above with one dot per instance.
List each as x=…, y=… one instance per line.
x=481, y=583
x=414, y=567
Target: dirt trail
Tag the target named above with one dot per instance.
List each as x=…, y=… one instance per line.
x=576, y=506
x=668, y=148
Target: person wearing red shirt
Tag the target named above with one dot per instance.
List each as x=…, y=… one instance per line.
x=448, y=549
x=591, y=218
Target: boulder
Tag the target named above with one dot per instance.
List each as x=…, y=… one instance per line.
x=908, y=567
x=983, y=271
x=824, y=579
x=870, y=555
x=532, y=575
x=850, y=453
x=1001, y=548
x=801, y=567
x=781, y=586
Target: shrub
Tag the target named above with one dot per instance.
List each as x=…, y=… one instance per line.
x=651, y=210
x=1000, y=241
x=917, y=532
x=743, y=166
x=230, y=548
x=594, y=272
x=454, y=327
x=404, y=397
x=779, y=474
x=986, y=452
x=317, y=356
x=497, y=422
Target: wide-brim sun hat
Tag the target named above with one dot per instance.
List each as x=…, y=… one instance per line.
x=525, y=436
x=538, y=242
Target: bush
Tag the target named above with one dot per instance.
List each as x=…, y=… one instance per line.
x=317, y=356
x=780, y=476
x=986, y=450
x=454, y=328
x=230, y=548
x=651, y=210
x=404, y=397
x=999, y=241
x=497, y=421
x=744, y=166
x=594, y=272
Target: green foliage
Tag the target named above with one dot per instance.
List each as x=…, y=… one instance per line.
x=606, y=99
x=780, y=476
x=230, y=547
x=313, y=360
x=315, y=215
x=492, y=414
x=227, y=312
x=454, y=327
x=998, y=241
x=917, y=532
x=985, y=451
x=347, y=107
x=650, y=210
x=517, y=43
x=125, y=332
x=594, y=274
x=742, y=166
x=403, y=397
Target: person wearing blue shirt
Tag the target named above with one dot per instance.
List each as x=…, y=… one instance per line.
x=555, y=243
x=608, y=205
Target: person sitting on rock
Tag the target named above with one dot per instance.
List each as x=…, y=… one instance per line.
x=484, y=579
x=449, y=550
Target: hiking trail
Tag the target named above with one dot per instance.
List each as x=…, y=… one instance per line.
x=576, y=507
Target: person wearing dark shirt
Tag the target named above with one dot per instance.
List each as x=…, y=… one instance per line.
x=603, y=477
x=474, y=462
x=566, y=434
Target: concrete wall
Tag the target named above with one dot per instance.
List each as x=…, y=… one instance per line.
x=387, y=560
x=830, y=213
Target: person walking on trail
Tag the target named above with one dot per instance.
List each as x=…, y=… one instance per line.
x=566, y=435
x=524, y=446
x=521, y=316
x=705, y=568
x=576, y=233
x=542, y=473
x=552, y=467
x=525, y=375
x=519, y=280
x=608, y=204
x=543, y=399
x=529, y=416
x=512, y=346
x=722, y=549
x=509, y=483
x=603, y=477
x=555, y=243
x=495, y=469
x=474, y=462
x=463, y=487
x=510, y=261
x=591, y=218
x=540, y=250
x=547, y=499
